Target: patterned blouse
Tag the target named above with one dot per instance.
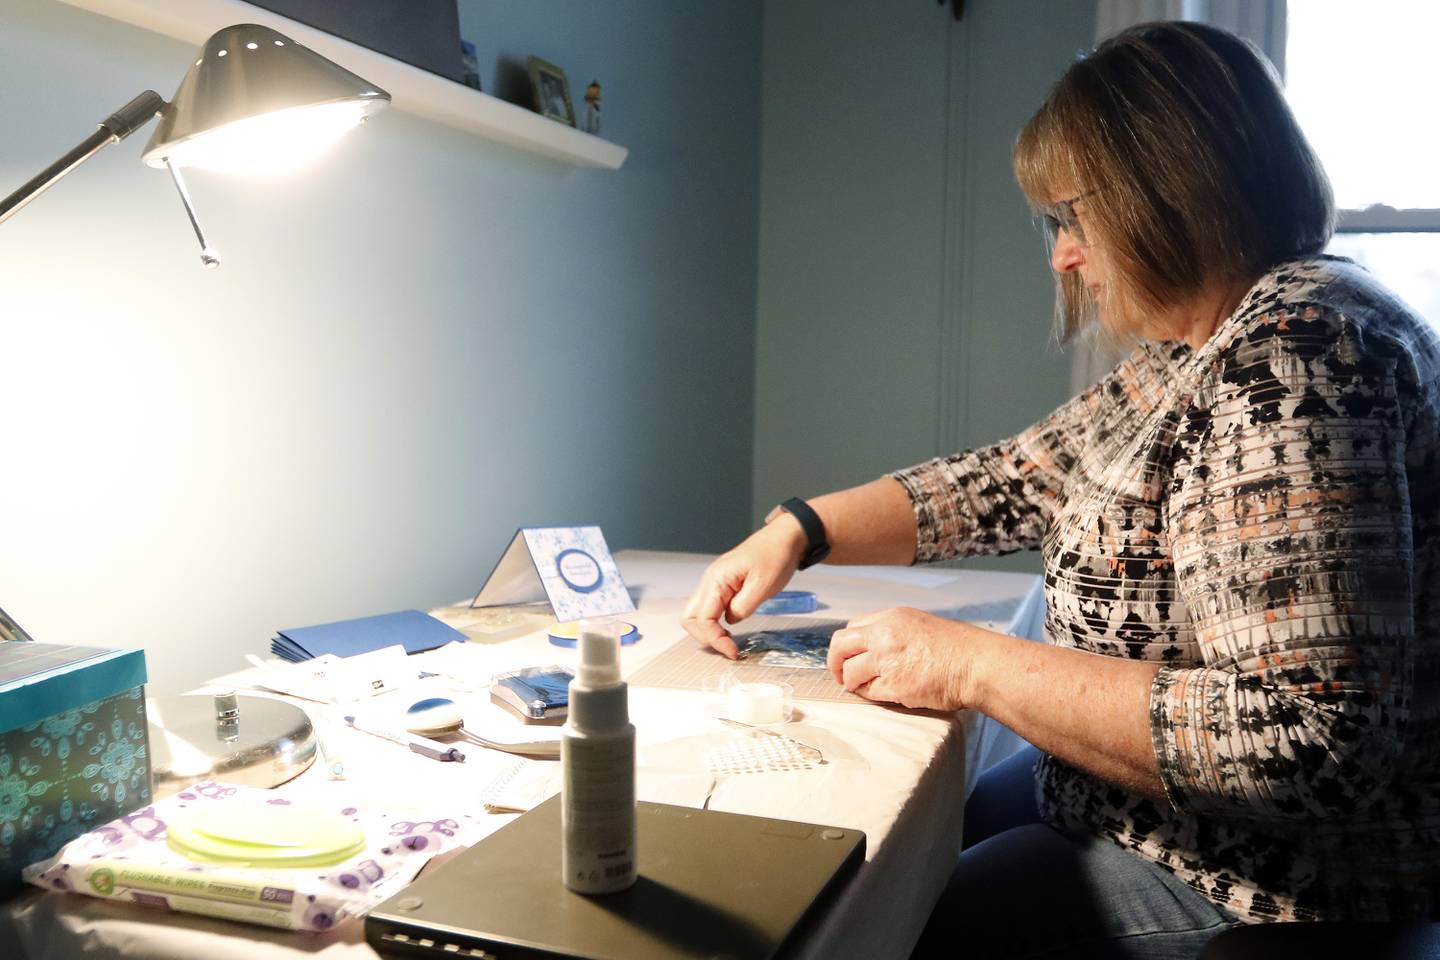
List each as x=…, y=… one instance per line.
x=1261, y=518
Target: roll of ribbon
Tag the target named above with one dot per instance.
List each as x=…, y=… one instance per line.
x=789, y=601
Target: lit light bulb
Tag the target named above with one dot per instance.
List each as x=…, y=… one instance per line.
x=273, y=143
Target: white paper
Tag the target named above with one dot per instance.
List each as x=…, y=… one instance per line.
x=331, y=679
x=525, y=784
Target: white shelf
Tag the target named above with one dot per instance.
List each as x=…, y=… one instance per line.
x=411, y=89
x=1379, y=218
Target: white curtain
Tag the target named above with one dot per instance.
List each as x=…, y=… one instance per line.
x=1260, y=21
x=1112, y=16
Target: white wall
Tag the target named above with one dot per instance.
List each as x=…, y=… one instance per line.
x=904, y=296
x=410, y=350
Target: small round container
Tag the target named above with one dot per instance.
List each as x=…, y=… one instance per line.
x=753, y=702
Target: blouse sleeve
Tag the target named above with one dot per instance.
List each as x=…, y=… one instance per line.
x=1291, y=533
x=999, y=499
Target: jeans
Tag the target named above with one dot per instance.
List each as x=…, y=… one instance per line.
x=1022, y=889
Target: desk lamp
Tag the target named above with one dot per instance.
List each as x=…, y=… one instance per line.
x=254, y=101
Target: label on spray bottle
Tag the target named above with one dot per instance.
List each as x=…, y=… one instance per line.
x=598, y=807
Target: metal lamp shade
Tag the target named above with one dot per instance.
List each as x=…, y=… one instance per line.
x=247, y=71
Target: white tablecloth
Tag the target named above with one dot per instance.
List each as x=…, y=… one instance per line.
x=900, y=776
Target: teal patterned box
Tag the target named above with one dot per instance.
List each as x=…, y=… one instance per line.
x=74, y=746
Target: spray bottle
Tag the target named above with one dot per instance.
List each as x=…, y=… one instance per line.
x=597, y=757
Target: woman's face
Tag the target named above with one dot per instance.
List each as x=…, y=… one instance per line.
x=1074, y=253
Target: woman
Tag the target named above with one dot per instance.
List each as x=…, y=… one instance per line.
x=1236, y=711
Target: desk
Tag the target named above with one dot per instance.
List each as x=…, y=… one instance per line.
x=904, y=784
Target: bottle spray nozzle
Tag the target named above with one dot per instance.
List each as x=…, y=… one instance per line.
x=599, y=654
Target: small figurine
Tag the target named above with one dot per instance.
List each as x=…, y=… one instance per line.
x=592, y=107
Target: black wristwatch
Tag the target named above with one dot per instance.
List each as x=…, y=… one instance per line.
x=817, y=548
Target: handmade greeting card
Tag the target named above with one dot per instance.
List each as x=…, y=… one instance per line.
x=568, y=567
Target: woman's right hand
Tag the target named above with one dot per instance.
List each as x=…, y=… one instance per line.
x=739, y=581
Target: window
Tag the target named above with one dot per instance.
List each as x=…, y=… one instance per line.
x=1359, y=78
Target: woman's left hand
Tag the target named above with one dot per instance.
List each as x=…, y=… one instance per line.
x=906, y=656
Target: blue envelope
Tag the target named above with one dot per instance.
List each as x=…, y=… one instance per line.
x=413, y=630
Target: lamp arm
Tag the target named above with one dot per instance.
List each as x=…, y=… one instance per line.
x=112, y=129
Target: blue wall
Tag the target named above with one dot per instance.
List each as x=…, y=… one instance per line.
x=411, y=349
x=905, y=298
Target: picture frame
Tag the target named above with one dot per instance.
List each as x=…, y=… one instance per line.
x=551, y=91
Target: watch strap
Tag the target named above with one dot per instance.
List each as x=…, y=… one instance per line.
x=817, y=547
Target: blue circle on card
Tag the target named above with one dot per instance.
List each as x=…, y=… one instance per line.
x=568, y=634
x=580, y=571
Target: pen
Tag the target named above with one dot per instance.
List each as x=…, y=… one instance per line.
x=424, y=746
x=334, y=766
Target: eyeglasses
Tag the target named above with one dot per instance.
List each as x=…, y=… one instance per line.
x=1061, y=216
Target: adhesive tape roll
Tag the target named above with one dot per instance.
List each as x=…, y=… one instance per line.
x=568, y=634
x=789, y=601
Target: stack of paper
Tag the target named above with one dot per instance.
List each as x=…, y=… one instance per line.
x=411, y=629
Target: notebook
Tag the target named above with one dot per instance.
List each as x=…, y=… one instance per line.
x=711, y=885
x=413, y=630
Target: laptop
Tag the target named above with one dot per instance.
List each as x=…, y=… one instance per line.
x=712, y=886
